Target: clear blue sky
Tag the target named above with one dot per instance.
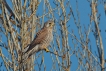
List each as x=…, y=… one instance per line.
x=84, y=12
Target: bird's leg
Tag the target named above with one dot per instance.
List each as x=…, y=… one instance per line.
x=47, y=50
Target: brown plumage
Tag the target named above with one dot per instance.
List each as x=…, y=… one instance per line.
x=42, y=39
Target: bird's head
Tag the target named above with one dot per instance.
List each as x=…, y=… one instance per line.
x=49, y=24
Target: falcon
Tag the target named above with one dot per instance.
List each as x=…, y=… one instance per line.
x=42, y=39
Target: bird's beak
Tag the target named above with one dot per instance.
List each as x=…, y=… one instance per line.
x=52, y=25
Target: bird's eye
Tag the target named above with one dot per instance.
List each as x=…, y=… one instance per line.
x=49, y=23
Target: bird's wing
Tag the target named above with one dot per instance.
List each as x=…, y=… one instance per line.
x=38, y=39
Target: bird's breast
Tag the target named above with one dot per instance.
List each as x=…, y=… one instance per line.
x=48, y=38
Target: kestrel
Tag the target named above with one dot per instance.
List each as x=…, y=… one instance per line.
x=42, y=39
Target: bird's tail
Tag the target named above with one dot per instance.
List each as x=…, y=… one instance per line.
x=23, y=53
x=26, y=48
x=26, y=54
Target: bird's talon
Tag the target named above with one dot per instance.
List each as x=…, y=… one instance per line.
x=47, y=50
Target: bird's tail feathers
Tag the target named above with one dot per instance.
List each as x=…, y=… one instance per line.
x=25, y=49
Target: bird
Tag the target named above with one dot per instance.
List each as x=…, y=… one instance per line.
x=42, y=39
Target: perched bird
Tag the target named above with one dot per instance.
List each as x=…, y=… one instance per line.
x=42, y=39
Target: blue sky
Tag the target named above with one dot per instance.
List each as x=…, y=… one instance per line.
x=84, y=11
